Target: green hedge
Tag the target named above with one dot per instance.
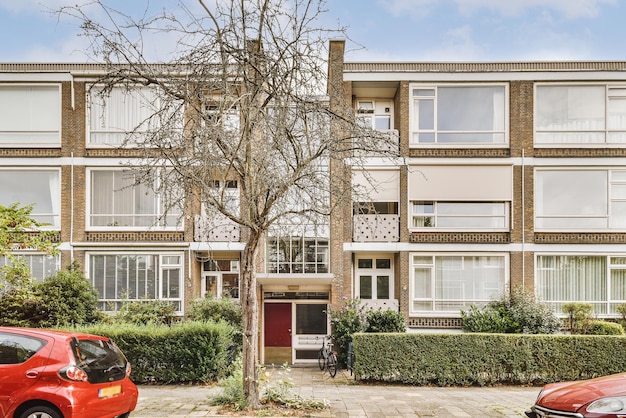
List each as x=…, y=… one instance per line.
x=485, y=359
x=186, y=352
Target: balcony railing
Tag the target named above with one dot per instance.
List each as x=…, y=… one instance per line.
x=382, y=304
x=387, y=144
x=216, y=229
x=376, y=228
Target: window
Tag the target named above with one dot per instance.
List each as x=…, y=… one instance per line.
x=580, y=114
x=218, y=116
x=297, y=255
x=375, y=114
x=135, y=277
x=591, y=199
x=118, y=201
x=458, y=115
x=220, y=275
x=41, y=188
x=30, y=115
x=115, y=114
x=447, y=284
x=374, y=277
x=16, y=349
x=596, y=279
x=460, y=215
x=41, y=266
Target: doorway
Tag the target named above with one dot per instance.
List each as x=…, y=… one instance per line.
x=277, y=333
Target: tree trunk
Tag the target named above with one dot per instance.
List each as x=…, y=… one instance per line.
x=249, y=308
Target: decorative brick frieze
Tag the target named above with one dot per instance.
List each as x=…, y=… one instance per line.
x=459, y=153
x=135, y=236
x=461, y=237
x=30, y=152
x=579, y=238
x=435, y=323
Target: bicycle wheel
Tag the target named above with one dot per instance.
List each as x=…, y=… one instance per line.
x=320, y=359
x=332, y=364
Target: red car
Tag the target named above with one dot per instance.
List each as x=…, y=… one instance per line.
x=603, y=397
x=55, y=374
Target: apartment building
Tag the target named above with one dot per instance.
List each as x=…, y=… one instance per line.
x=61, y=151
x=510, y=174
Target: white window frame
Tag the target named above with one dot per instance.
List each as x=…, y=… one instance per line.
x=374, y=273
x=585, y=131
x=157, y=216
x=614, y=185
x=413, y=129
x=27, y=138
x=379, y=108
x=161, y=257
x=55, y=196
x=604, y=308
x=432, y=299
x=436, y=216
x=322, y=255
x=48, y=262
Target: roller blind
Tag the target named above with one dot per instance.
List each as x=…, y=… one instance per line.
x=376, y=185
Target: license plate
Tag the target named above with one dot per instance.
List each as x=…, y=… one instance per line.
x=109, y=391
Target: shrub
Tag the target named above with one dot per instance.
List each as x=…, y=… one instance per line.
x=599, y=327
x=518, y=313
x=19, y=304
x=385, y=320
x=488, y=319
x=578, y=315
x=216, y=310
x=143, y=312
x=351, y=318
x=67, y=298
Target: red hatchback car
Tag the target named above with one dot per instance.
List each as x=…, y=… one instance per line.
x=603, y=397
x=56, y=374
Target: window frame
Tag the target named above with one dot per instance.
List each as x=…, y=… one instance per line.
x=609, y=204
x=607, y=302
x=374, y=273
x=55, y=196
x=29, y=257
x=432, y=299
x=275, y=264
x=159, y=279
x=29, y=142
x=605, y=132
x=435, y=215
x=160, y=224
x=413, y=129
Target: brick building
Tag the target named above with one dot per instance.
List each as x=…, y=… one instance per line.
x=509, y=174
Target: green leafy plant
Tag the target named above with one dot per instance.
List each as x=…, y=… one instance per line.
x=579, y=316
x=385, y=320
x=349, y=319
x=488, y=319
x=143, y=312
x=224, y=309
x=599, y=327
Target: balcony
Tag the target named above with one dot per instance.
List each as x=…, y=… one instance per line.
x=216, y=229
x=376, y=228
x=388, y=143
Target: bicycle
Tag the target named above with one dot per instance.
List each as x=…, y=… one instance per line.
x=327, y=358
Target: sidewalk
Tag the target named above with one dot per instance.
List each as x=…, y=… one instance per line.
x=350, y=399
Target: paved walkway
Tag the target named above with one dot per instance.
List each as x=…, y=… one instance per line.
x=348, y=398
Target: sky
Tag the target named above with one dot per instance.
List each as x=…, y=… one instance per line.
x=378, y=30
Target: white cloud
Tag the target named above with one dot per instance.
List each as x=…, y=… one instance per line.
x=417, y=9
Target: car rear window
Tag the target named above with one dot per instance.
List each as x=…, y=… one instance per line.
x=100, y=359
x=15, y=348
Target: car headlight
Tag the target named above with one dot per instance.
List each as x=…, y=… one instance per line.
x=608, y=405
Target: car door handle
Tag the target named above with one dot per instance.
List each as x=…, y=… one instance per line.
x=31, y=374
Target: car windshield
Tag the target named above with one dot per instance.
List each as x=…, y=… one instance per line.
x=100, y=359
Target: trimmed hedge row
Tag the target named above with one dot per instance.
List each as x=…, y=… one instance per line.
x=485, y=359
x=186, y=352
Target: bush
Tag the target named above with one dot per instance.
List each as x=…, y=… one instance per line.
x=386, y=320
x=518, y=313
x=579, y=316
x=216, y=310
x=19, y=304
x=351, y=318
x=67, y=298
x=185, y=352
x=599, y=327
x=464, y=359
x=143, y=312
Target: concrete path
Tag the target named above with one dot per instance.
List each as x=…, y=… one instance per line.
x=347, y=398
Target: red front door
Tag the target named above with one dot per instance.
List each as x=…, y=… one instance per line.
x=277, y=333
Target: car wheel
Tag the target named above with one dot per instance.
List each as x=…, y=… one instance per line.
x=40, y=412
x=126, y=415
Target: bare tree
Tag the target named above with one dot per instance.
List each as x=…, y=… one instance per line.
x=241, y=99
